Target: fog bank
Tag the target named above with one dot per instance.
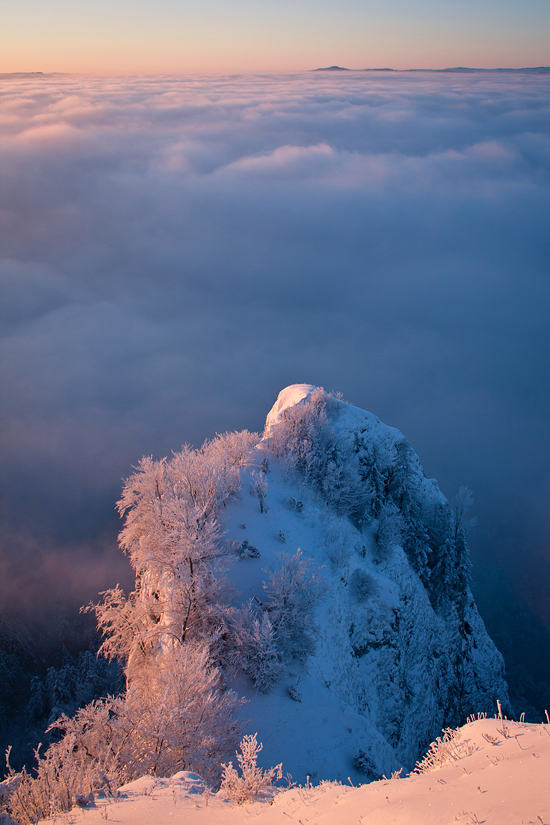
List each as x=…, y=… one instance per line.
x=175, y=250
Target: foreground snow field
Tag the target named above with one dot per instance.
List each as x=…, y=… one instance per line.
x=494, y=773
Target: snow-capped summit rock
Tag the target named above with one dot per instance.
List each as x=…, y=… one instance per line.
x=350, y=629
x=399, y=649
x=287, y=398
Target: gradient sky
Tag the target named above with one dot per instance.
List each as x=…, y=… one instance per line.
x=126, y=36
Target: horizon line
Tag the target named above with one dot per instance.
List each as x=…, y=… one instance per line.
x=332, y=69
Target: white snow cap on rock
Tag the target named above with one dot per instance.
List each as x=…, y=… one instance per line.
x=288, y=397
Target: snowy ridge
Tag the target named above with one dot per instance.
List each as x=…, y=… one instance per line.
x=495, y=772
x=394, y=661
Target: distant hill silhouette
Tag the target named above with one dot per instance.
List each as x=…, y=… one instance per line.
x=463, y=69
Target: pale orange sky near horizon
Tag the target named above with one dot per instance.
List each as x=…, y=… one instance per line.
x=244, y=36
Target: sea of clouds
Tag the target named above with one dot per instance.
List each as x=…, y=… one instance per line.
x=175, y=250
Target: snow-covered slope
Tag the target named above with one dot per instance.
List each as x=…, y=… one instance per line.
x=492, y=773
x=401, y=651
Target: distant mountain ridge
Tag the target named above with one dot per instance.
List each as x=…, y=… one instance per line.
x=462, y=69
x=15, y=75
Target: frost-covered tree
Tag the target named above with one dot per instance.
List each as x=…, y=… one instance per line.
x=461, y=505
x=180, y=718
x=451, y=568
x=415, y=545
x=292, y=593
x=258, y=488
x=173, y=537
x=180, y=715
x=172, y=631
x=253, y=647
x=305, y=441
x=402, y=476
x=374, y=485
x=388, y=528
x=295, y=437
x=450, y=575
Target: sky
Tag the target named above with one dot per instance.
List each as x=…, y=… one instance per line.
x=177, y=249
x=129, y=36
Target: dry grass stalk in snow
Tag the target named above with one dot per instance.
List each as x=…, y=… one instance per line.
x=445, y=749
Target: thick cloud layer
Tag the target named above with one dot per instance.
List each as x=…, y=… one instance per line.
x=176, y=250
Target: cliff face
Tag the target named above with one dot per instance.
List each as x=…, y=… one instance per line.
x=399, y=649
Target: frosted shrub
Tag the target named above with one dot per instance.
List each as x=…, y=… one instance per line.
x=292, y=593
x=247, y=551
x=88, y=758
x=252, y=780
x=175, y=717
x=445, y=749
x=258, y=488
x=364, y=763
x=294, y=693
x=338, y=552
x=254, y=650
x=362, y=585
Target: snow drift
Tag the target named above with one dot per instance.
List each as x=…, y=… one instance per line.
x=493, y=772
